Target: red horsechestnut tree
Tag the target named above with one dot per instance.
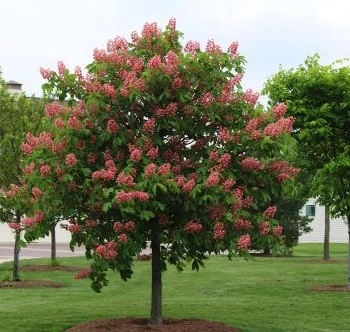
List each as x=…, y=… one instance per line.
x=157, y=142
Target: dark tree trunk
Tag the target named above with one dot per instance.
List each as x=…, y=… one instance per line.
x=53, y=244
x=326, y=235
x=348, y=277
x=16, y=250
x=156, y=298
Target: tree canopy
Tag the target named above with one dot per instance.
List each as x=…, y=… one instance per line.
x=158, y=141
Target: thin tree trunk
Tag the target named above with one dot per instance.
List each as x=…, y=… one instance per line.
x=16, y=250
x=326, y=235
x=156, y=298
x=53, y=244
x=348, y=277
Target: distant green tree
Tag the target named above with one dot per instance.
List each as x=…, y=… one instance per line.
x=319, y=98
x=18, y=115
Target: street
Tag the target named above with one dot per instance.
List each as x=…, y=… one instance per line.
x=38, y=250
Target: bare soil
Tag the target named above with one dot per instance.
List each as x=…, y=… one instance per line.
x=142, y=324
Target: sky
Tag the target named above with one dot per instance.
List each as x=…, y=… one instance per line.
x=272, y=34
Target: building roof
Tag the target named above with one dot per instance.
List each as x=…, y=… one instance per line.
x=11, y=82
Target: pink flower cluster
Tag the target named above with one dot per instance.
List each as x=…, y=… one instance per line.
x=46, y=73
x=264, y=228
x=213, y=179
x=270, y=211
x=37, y=192
x=250, y=164
x=277, y=231
x=71, y=160
x=219, y=231
x=15, y=226
x=251, y=97
x=74, y=228
x=284, y=170
x=282, y=125
x=279, y=110
x=212, y=47
x=53, y=109
x=107, y=251
x=193, y=227
x=126, y=180
x=32, y=142
x=45, y=170
x=112, y=126
x=14, y=189
x=125, y=196
x=242, y=223
x=207, y=99
x=164, y=169
x=135, y=153
x=244, y=242
x=169, y=111
x=149, y=125
x=192, y=47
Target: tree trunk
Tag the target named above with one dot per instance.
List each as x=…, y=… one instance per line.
x=53, y=244
x=17, y=248
x=156, y=299
x=348, y=277
x=326, y=235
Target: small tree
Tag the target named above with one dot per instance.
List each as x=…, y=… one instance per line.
x=318, y=96
x=18, y=115
x=158, y=142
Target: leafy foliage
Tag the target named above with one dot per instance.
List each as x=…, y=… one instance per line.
x=158, y=141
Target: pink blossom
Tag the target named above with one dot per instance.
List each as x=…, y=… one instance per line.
x=232, y=49
x=188, y=186
x=219, y=231
x=59, y=123
x=46, y=73
x=149, y=125
x=29, y=169
x=61, y=68
x=151, y=30
x=279, y=110
x=141, y=196
x=270, y=211
x=152, y=153
x=212, y=47
x=150, y=170
x=123, y=238
x=71, y=160
x=45, y=170
x=193, y=227
x=107, y=251
x=118, y=227
x=277, y=231
x=37, y=192
x=242, y=223
x=112, y=126
x=53, y=109
x=172, y=24
x=74, y=228
x=155, y=62
x=251, y=97
x=264, y=228
x=177, y=83
x=192, y=47
x=135, y=155
x=207, y=99
x=228, y=184
x=130, y=226
x=123, y=179
x=244, y=242
x=180, y=180
x=251, y=164
x=39, y=216
x=124, y=196
x=225, y=160
x=15, y=226
x=213, y=179
x=213, y=155
x=164, y=169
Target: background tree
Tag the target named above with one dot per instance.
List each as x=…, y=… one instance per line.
x=158, y=142
x=18, y=115
x=318, y=96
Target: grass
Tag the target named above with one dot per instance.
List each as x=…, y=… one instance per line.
x=266, y=294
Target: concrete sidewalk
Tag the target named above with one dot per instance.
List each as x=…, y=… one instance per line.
x=38, y=250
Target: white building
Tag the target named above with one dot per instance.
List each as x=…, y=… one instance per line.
x=338, y=226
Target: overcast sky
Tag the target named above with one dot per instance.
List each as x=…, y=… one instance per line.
x=271, y=33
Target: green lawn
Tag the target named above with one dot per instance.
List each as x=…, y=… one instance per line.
x=266, y=294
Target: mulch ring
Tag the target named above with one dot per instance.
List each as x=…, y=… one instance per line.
x=142, y=324
x=330, y=288
x=30, y=283
x=49, y=268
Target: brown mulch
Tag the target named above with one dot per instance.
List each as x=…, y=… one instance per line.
x=30, y=283
x=330, y=288
x=142, y=324
x=50, y=268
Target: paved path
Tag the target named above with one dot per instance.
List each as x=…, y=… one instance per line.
x=38, y=250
